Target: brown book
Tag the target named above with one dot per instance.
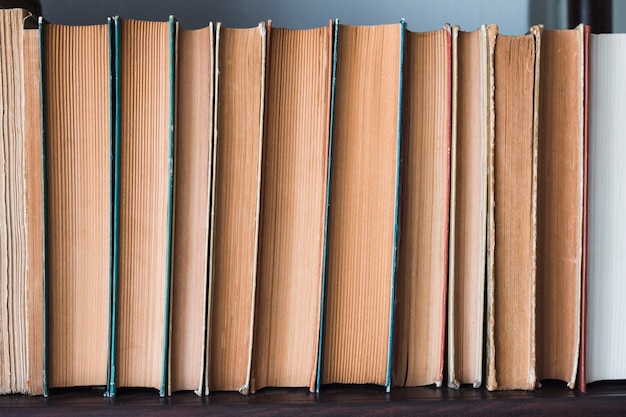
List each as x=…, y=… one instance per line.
x=21, y=208
x=144, y=154
x=472, y=132
x=293, y=210
x=78, y=135
x=512, y=224
x=364, y=185
x=240, y=77
x=560, y=203
x=192, y=172
x=421, y=277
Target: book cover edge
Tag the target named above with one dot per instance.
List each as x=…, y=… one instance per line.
x=114, y=27
x=335, y=34
x=396, y=232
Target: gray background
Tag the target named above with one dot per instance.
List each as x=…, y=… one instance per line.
x=512, y=16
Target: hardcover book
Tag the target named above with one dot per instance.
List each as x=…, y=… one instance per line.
x=144, y=152
x=472, y=133
x=560, y=202
x=512, y=225
x=294, y=188
x=421, y=278
x=363, y=205
x=78, y=139
x=238, y=137
x=192, y=194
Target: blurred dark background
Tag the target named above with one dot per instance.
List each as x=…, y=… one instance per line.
x=512, y=16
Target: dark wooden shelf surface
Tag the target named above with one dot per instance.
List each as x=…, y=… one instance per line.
x=551, y=400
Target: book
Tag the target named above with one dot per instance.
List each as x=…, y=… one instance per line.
x=472, y=132
x=21, y=208
x=144, y=151
x=192, y=186
x=293, y=207
x=560, y=202
x=512, y=224
x=363, y=205
x=78, y=136
x=421, y=277
x=239, y=112
x=605, y=332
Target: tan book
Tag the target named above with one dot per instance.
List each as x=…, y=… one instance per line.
x=293, y=210
x=78, y=132
x=364, y=188
x=240, y=77
x=192, y=173
x=560, y=203
x=21, y=208
x=144, y=164
x=472, y=132
x=512, y=225
x=420, y=311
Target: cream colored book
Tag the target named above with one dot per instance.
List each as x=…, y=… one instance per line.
x=362, y=218
x=472, y=132
x=293, y=211
x=145, y=58
x=78, y=133
x=239, y=93
x=21, y=207
x=192, y=186
x=425, y=200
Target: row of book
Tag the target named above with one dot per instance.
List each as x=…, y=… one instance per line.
x=231, y=209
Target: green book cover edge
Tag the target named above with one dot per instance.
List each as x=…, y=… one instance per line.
x=318, y=379
x=114, y=29
x=396, y=210
x=170, y=204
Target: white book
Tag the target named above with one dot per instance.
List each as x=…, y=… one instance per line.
x=606, y=273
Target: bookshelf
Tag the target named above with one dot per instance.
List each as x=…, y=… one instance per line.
x=552, y=399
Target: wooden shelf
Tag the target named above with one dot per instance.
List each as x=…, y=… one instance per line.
x=551, y=400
